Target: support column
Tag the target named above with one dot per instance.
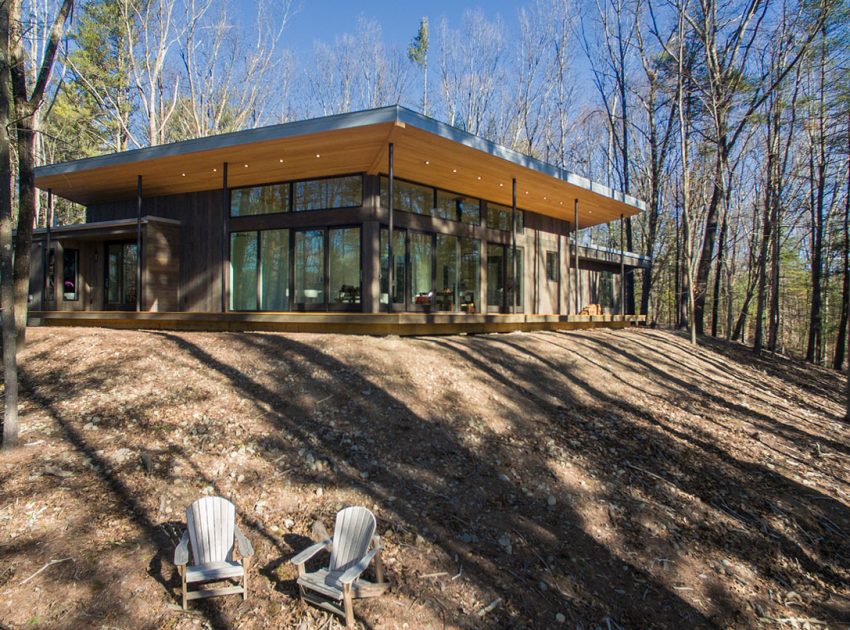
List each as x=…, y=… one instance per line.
x=139, y=243
x=390, y=220
x=622, y=269
x=514, y=284
x=46, y=284
x=225, y=236
x=569, y=302
x=560, y=273
x=578, y=267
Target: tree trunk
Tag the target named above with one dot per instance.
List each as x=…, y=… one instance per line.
x=761, y=270
x=26, y=215
x=841, y=341
x=704, y=267
x=718, y=275
x=7, y=301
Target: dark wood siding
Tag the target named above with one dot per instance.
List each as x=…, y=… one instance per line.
x=162, y=267
x=201, y=232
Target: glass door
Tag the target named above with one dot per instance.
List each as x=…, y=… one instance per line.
x=121, y=266
x=309, y=270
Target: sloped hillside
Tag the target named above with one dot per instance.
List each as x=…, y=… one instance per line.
x=591, y=479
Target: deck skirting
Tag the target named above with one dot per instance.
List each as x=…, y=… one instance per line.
x=341, y=323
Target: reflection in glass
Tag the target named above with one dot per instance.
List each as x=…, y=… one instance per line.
x=470, y=274
x=344, y=265
x=499, y=218
x=274, y=270
x=70, y=272
x=421, y=292
x=457, y=208
x=309, y=269
x=399, y=271
x=446, y=294
x=495, y=274
x=407, y=197
x=243, y=271
x=259, y=200
x=121, y=272
x=333, y=192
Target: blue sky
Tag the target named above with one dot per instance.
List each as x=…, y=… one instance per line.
x=325, y=19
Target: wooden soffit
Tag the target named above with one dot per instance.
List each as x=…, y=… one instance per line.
x=425, y=151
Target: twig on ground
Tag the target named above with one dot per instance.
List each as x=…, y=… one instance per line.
x=489, y=607
x=46, y=566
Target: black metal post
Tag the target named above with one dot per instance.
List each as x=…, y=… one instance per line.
x=578, y=270
x=569, y=271
x=622, y=267
x=225, y=236
x=139, y=243
x=390, y=254
x=45, y=298
x=514, y=283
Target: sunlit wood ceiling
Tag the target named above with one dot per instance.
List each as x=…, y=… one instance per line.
x=424, y=151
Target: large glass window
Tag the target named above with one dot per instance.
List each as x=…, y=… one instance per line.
x=500, y=274
x=333, y=192
x=309, y=269
x=51, y=275
x=274, y=270
x=344, y=265
x=243, y=271
x=421, y=293
x=399, y=268
x=259, y=200
x=446, y=293
x=407, y=197
x=457, y=208
x=499, y=218
x=552, y=266
x=470, y=274
x=70, y=274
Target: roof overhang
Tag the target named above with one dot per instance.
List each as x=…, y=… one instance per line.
x=425, y=150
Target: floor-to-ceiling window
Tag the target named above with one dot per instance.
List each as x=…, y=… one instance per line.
x=274, y=270
x=500, y=287
x=243, y=271
x=399, y=267
x=344, y=266
x=421, y=289
x=470, y=274
x=446, y=286
x=309, y=269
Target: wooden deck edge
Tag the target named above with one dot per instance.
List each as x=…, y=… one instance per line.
x=378, y=324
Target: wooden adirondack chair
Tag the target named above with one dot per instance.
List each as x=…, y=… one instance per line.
x=211, y=531
x=350, y=556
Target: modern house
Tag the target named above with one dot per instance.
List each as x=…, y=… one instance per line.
x=288, y=227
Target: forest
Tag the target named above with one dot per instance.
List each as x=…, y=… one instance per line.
x=730, y=118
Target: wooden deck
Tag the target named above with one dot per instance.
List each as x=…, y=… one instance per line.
x=343, y=323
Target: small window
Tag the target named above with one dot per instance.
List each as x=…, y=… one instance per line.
x=70, y=274
x=259, y=200
x=407, y=197
x=552, y=266
x=457, y=208
x=325, y=194
x=499, y=218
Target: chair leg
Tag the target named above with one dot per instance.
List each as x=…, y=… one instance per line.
x=245, y=564
x=183, y=587
x=349, y=607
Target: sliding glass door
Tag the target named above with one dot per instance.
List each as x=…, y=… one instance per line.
x=295, y=270
x=121, y=269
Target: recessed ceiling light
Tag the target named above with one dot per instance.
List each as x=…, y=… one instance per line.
x=318, y=155
x=526, y=192
x=280, y=160
x=246, y=166
x=215, y=170
x=479, y=178
x=454, y=170
x=427, y=162
x=544, y=198
x=183, y=174
x=500, y=185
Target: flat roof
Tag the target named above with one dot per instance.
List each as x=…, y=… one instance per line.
x=425, y=150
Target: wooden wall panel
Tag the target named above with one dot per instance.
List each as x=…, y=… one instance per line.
x=162, y=267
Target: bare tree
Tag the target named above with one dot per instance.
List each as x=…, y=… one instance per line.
x=26, y=105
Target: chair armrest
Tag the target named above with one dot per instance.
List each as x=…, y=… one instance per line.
x=181, y=552
x=353, y=572
x=310, y=551
x=243, y=544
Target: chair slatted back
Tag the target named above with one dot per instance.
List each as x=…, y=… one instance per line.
x=211, y=522
x=353, y=532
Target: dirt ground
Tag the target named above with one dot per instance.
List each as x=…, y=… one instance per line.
x=599, y=479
